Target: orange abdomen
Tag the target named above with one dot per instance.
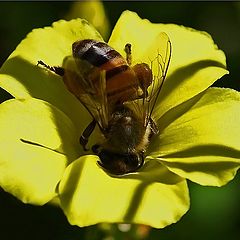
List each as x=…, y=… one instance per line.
x=121, y=80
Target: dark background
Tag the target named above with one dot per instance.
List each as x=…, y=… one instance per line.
x=214, y=212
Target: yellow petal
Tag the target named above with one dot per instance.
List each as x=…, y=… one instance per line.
x=22, y=78
x=37, y=141
x=199, y=140
x=92, y=11
x=154, y=196
x=196, y=63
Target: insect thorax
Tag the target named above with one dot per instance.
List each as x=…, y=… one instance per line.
x=125, y=132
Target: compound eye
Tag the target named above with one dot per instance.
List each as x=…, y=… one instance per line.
x=120, y=163
x=135, y=161
x=132, y=159
x=105, y=156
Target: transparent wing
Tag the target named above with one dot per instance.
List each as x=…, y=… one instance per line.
x=159, y=67
x=88, y=84
x=144, y=106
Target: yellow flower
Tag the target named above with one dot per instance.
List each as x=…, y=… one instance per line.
x=198, y=139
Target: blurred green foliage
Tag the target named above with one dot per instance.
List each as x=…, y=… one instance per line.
x=215, y=212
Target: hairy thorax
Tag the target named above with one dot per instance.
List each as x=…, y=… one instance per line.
x=126, y=132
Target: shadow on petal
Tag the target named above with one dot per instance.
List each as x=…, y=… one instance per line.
x=202, y=167
x=182, y=73
x=88, y=195
x=153, y=171
x=29, y=80
x=38, y=141
x=205, y=150
x=72, y=181
x=212, y=164
x=176, y=112
x=135, y=202
x=179, y=79
x=169, y=117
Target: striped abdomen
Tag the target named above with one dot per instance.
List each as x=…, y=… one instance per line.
x=121, y=80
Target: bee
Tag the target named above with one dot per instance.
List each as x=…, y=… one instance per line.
x=119, y=97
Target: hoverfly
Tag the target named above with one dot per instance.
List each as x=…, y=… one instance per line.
x=119, y=97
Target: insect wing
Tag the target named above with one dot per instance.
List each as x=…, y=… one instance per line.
x=144, y=106
x=159, y=67
x=91, y=94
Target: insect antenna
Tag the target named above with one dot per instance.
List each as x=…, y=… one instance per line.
x=58, y=70
x=40, y=145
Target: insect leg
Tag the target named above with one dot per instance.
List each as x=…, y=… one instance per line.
x=86, y=134
x=58, y=70
x=128, y=51
x=145, y=77
x=95, y=148
x=153, y=126
x=140, y=160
